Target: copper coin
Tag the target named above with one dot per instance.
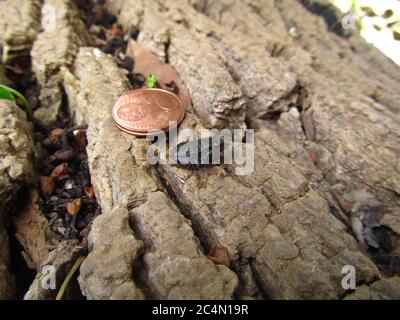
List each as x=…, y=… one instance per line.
x=150, y=132
x=143, y=110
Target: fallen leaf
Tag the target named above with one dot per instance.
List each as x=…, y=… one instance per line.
x=80, y=138
x=56, y=133
x=74, y=206
x=32, y=230
x=147, y=63
x=47, y=184
x=308, y=124
x=64, y=155
x=53, y=138
x=61, y=171
x=219, y=255
x=17, y=69
x=89, y=191
x=115, y=30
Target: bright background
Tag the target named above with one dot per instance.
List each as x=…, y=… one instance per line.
x=379, y=23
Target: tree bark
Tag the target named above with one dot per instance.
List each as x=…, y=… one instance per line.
x=325, y=111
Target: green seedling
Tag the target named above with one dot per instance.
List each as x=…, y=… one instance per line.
x=68, y=278
x=12, y=95
x=151, y=81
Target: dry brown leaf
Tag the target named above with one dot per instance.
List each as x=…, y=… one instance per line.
x=56, y=133
x=89, y=191
x=80, y=139
x=54, y=137
x=308, y=123
x=17, y=69
x=147, y=63
x=74, y=206
x=47, y=184
x=219, y=255
x=61, y=171
x=32, y=228
x=64, y=155
x=114, y=31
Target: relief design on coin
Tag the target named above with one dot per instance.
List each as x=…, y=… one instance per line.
x=132, y=113
x=147, y=109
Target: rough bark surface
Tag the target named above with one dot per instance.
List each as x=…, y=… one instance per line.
x=60, y=261
x=7, y=282
x=56, y=47
x=171, y=249
x=17, y=152
x=3, y=78
x=385, y=289
x=326, y=117
x=287, y=228
x=19, y=24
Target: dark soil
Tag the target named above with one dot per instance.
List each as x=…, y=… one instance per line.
x=22, y=273
x=67, y=148
x=19, y=72
x=109, y=37
x=384, y=258
x=66, y=196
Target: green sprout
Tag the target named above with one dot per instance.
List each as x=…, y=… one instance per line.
x=68, y=278
x=151, y=81
x=12, y=95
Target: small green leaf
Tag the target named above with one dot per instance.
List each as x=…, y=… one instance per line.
x=151, y=81
x=10, y=94
x=6, y=95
